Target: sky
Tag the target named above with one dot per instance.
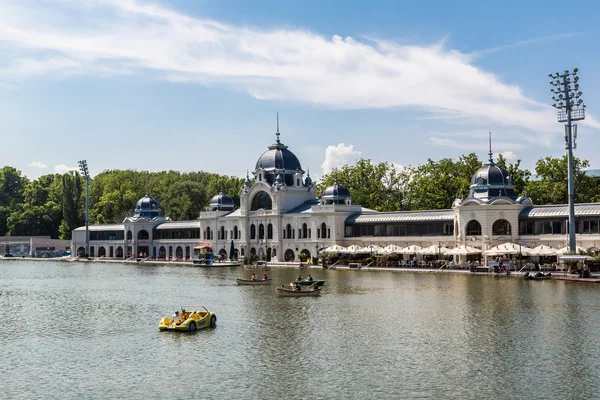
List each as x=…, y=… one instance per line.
x=192, y=85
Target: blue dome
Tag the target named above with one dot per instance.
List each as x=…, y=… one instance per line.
x=221, y=202
x=492, y=181
x=278, y=157
x=147, y=207
x=335, y=194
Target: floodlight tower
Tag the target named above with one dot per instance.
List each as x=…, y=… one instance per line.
x=569, y=108
x=83, y=168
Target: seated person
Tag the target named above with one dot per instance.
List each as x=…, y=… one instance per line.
x=315, y=286
x=253, y=277
x=265, y=277
x=309, y=278
x=176, y=317
x=299, y=277
x=297, y=287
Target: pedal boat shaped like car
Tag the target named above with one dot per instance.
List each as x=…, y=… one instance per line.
x=189, y=321
x=537, y=276
x=241, y=281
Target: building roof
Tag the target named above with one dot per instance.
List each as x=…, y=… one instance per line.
x=304, y=207
x=401, y=216
x=180, y=225
x=107, y=227
x=561, y=210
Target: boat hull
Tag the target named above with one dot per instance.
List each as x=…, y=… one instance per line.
x=249, y=282
x=308, y=283
x=298, y=293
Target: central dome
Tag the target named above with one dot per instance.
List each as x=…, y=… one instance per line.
x=491, y=181
x=278, y=157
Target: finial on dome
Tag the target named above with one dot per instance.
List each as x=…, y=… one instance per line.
x=278, y=142
x=491, y=153
x=308, y=172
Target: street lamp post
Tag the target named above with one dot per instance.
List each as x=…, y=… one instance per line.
x=371, y=247
x=569, y=108
x=83, y=168
x=520, y=258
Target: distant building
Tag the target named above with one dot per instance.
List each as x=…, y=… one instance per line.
x=33, y=246
x=280, y=217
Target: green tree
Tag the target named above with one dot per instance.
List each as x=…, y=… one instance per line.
x=520, y=177
x=12, y=186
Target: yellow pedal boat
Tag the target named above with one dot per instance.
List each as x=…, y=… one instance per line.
x=189, y=321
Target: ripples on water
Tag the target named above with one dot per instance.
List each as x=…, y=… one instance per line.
x=76, y=330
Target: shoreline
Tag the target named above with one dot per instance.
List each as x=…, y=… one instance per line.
x=284, y=265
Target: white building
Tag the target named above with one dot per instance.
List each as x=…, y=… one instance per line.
x=280, y=217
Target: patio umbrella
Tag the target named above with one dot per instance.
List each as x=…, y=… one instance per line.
x=231, y=251
x=565, y=250
x=354, y=249
x=375, y=249
x=543, y=251
x=434, y=250
x=463, y=250
x=335, y=249
x=412, y=249
x=392, y=248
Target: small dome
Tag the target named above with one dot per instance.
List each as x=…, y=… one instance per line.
x=221, y=202
x=147, y=207
x=335, y=194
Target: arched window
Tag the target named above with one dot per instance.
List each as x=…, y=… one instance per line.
x=222, y=233
x=235, y=232
x=261, y=231
x=289, y=255
x=101, y=251
x=324, y=230
x=501, y=227
x=261, y=200
x=270, y=231
x=252, y=231
x=288, y=230
x=473, y=228
x=129, y=235
x=304, y=231
x=143, y=235
x=207, y=233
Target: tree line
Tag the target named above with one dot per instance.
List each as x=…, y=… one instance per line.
x=53, y=205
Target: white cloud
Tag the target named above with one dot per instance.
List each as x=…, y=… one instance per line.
x=38, y=164
x=104, y=37
x=63, y=169
x=337, y=156
x=509, y=155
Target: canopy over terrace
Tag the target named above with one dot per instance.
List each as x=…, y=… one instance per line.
x=412, y=249
x=565, y=250
x=543, y=251
x=463, y=250
x=507, y=248
x=335, y=249
x=392, y=248
x=434, y=250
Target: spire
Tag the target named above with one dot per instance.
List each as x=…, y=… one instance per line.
x=491, y=153
x=278, y=142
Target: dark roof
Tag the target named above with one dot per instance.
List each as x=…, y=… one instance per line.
x=221, y=202
x=336, y=191
x=304, y=207
x=278, y=157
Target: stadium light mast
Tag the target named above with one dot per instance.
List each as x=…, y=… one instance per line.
x=569, y=108
x=83, y=168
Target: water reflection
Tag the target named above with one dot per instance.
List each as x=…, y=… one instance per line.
x=90, y=330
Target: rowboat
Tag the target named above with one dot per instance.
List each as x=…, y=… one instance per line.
x=305, y=282
x=297, y=293
x=538, y=276
x=259, y=265
x=241, y=281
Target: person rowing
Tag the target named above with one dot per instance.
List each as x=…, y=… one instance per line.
x=253, y=277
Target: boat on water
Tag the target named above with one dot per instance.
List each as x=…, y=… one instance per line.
x=189, y=321
x=537, y=275
x=241, y=281
x=259, y=265
x=306, y=282
x=285, y=292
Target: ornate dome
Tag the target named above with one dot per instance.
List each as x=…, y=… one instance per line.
x=278, y=157
x=221, y=202
x=147, y=207
x=335, y=194
x=492, y=181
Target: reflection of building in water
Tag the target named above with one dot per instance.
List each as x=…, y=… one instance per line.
x=280, y=217
x=33, y=246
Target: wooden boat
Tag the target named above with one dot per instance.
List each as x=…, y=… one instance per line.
x=297, y=293
x=241, y=281
x=537, y=275
x=305, y=282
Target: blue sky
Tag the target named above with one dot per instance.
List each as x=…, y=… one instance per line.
x=195, y=85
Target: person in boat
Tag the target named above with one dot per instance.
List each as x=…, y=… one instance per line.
x=315, y=286
x=282, y=287
x=253, y=277
x=297, y=287
x=309, y=278
x=176, y=317
x=265, y=277
x=299, y=278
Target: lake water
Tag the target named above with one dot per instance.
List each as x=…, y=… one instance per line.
x=89, y=330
